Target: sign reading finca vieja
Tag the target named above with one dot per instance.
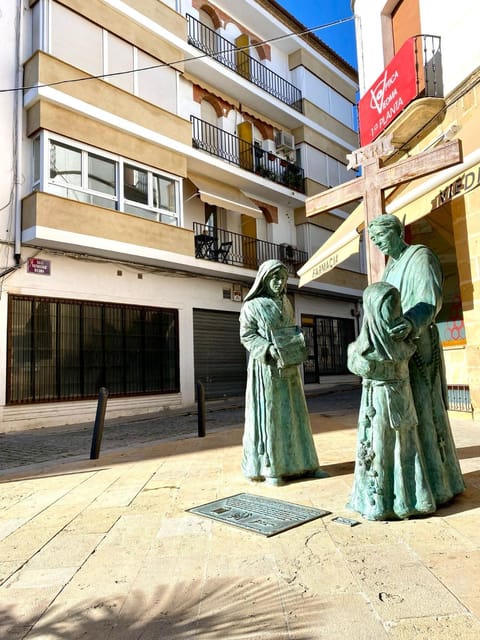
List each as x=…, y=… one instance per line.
x=393, y=90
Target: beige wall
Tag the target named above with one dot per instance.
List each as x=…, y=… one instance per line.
x=62, y=120
x=467, y=242
x=53, y=212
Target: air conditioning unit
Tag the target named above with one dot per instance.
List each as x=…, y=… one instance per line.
x=269, y=146
x=284, y=141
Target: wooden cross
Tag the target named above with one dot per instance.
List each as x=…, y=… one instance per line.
x=373, y=182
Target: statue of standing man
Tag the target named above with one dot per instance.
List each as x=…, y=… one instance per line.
x=416, y=272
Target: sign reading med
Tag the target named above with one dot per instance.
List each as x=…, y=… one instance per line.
x=394, y=89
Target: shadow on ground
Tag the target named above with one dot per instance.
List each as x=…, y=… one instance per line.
x=175, y=613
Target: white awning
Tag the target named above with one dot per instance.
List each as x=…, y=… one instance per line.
x=343, y=243
x=224, y=195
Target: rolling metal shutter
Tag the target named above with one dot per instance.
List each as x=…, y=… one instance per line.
x=220, y=360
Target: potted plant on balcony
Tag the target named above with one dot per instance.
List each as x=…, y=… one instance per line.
x=293, y=176
x=266, y=173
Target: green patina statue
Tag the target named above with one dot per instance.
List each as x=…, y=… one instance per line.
x=390, y=479
x=416, y=272
x=277, y=442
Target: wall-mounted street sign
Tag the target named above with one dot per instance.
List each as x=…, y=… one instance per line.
x=38, y=265
x=266, y=516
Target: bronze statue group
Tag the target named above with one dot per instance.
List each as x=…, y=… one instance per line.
x=406, y=463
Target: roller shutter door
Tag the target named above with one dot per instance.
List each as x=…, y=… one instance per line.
x=220, y=359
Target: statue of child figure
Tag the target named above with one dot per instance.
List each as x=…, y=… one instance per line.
x=390, y=479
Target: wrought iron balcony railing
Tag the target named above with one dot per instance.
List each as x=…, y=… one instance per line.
x=428, y=65
x=251, y=157
x=226, y=53
x=228, y=247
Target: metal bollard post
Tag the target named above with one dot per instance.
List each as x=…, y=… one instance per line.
x=201, y=409
x=99, y=422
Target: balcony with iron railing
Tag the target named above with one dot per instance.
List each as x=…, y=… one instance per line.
x=220, y=245
x=237, y=60
x=243, y=154
x=428, y=64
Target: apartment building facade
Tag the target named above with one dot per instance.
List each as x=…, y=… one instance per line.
x=156, y=153
x=419, y=84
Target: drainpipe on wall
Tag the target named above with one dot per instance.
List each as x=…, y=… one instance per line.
x=18, y=147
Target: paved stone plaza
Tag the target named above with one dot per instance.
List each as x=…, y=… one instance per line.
x=106, y=550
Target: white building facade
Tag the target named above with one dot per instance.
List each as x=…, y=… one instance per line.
x=155, y=154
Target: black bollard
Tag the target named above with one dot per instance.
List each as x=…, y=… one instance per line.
x=99, y=422
x=201, y=409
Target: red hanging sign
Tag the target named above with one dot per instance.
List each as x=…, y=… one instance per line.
x=393, y=90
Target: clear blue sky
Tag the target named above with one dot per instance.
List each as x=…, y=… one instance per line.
x=314, y=13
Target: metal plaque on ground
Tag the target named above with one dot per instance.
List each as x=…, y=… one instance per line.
x=266, y=516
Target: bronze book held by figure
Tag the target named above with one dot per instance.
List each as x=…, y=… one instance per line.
x=290, y=345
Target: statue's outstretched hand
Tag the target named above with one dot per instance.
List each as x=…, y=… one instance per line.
x=400, y=329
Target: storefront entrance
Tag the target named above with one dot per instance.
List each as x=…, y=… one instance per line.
x=327, y=341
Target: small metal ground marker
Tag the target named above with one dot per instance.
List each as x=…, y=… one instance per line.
x=267, y=516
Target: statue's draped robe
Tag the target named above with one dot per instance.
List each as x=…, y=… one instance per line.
x=277, y=440
x=390, y=478
x=417, y=274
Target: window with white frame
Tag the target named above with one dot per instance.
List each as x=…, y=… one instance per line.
x=149, y=194
x=78, y=172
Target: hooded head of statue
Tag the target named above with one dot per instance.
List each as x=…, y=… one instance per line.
x=266, y=270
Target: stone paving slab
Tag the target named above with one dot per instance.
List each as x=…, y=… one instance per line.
x=105, y=550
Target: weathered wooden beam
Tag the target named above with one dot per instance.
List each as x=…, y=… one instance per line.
x=335, y=197
x=420, y=165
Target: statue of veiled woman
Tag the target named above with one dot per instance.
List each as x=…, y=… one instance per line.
x=390, y=479
x=277, y=442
